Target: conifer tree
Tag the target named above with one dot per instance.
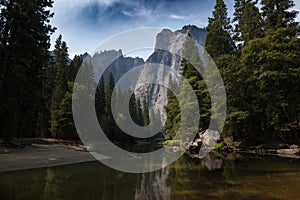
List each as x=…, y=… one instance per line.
x=133, y=108
x=60, y=85
x=278, y=14
x=72, y=70
x=248, y=21
x=173, y=112
x=24, y=43
x=218, y=40
x=109, y=119
x=100, y=100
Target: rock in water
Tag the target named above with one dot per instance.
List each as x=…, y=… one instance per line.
x=209, y=140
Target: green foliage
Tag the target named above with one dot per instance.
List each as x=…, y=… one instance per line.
x=248, y=21
x=273, y=72
x=60, y=85
x=218, y=40
x=219, y=146
x=262, y=80
x=173, y=113
x=191, y=65
x=100, y=101
x=24, y=43
x=67, y=128
x=109, y=119
x=262, y=85
x=278, y=14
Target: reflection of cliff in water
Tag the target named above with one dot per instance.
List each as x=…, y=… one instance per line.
x=211, y=162
x=153, y=186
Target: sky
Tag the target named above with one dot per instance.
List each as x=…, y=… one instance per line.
x=84, y=24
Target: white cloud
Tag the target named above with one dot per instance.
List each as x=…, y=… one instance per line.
x=137, y=13
x=72, y=3
x=297, y=7
x=179, y=17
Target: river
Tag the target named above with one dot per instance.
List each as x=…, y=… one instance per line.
x=234, y=177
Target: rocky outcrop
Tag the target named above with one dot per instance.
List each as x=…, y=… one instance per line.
x=168, y=51
x=118, y=67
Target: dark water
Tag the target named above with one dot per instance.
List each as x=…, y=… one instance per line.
x=213, y=178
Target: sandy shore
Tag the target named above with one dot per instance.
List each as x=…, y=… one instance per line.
x=42, y=154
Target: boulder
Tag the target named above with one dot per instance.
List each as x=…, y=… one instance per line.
x=294, y=146
x=210, y=137
x=288, y=151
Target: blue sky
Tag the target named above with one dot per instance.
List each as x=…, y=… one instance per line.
x=86, y=23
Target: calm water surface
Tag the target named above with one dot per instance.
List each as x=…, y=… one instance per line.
x=248, y=177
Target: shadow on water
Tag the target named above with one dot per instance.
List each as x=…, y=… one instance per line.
x=187, y=178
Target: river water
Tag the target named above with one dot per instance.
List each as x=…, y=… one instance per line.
x=231, y=177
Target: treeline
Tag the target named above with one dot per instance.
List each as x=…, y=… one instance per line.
x=24, y=61
x=258, y=55
x=138, y=107
x=138, y=110
x=36, y=84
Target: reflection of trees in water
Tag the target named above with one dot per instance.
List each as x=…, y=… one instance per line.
x=52, y=186
x=153, y=186
x=191, y=178
x=184, y=179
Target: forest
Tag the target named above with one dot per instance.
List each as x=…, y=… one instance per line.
x=257, y=53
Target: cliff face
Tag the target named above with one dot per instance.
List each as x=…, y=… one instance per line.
x=168, y=51
x=118, y=67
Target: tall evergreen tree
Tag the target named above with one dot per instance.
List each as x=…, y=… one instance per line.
x=133, y=108
x=60, y=85
x=109, y=119
x=100, y=100
x=218, y=40
x=173, y=112
x=66, y=127
x=191, y=64
x=270, y=66
x=278, y=14
x=72, y=70
x=248, y=21
x=24, y=43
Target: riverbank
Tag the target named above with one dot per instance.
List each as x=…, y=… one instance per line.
x=39, y=153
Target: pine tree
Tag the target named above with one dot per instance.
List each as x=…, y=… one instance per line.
x=109, y=119
x=173, y=112
x=24, y=43
x=218, y=40
x=100, y=100
x=248, y=21
x=133, y=108
x=190, y=70
x=278, y=14
x=67, y=128
x=271, y=71
x=73, y=68
x=60, y=87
